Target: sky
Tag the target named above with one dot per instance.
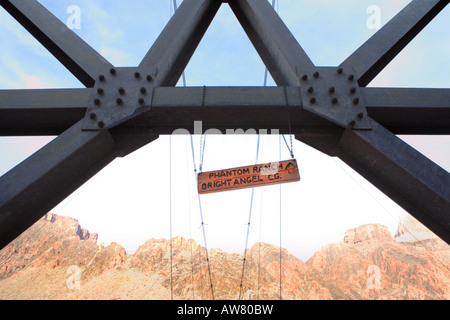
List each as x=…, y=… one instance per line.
x=134, y=198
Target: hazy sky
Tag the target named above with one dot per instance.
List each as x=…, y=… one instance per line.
x=128, y=202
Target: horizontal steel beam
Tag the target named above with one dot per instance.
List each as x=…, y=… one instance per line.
x=228, y=108
x=410, y=110
x=41, y=112
x=375, y=54
x=52, y=111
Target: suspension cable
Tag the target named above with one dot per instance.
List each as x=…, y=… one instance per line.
x=281, y=297
x=202, y=222
x=249, y=223
x=170, y=217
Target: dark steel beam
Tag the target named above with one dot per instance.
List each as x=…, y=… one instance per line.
x=73, y=52
x=374, y=55
x=41, y=112
x=410, y=110
x=51, y=112
x=227, y=108
x=283, y=56
x=39, y=183
x=410, y=179
x=173, y=49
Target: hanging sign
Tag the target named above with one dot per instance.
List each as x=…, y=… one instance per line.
x=248, y=177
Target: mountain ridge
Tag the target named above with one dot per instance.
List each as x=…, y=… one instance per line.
x=57, y=259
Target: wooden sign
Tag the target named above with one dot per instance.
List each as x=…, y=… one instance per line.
x=248, y=177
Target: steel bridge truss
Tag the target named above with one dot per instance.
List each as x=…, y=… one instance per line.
x=123, y=109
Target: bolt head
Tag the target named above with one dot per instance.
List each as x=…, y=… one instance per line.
x=353, y=90
x=122, y=91
x=101, y=77
x=101, y=124
x=351, y=77
x=352, y=123
x=137, y=75
x=304, y=77
x=316, y=74
x=311, y=90
x=313, y=100
x=356, y=101
x=93, y=116
x=340, y=70
x=141, y=101
x=334, y=100
x=143, y=90
x=97, y=102
x=149, y=78
x=332, y=90
x=100, y=91
x=119, y=101
x=112, y=71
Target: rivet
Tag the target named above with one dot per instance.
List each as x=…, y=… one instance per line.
x=313, y=100
x=311, y=90
x=305, y=77
x=100, y=91
x=149, y=78
x=351, y=77
x=334, y=101
x=122, y=91
x=101, y=77
x=141, y=101
x=316, y=74
x=361, y=115
x=356, y=101
x=143, y=90
x=137, y=75
x=93, y=115
x=112, y=71
x=340, y=70
x=353, y=90
x=332, y=90
x=101, y=124
x=97, y=102
x=352, y=123
x=119, y=101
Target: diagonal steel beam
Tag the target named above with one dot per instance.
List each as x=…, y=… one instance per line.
x=73, y=52
x=374, y=55
x=409, y=110
x=278, y=48
x=41, y=112
x=39, y=183
x=173, y=49
x=410, y=179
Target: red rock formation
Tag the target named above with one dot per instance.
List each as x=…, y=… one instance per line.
x=368, y=264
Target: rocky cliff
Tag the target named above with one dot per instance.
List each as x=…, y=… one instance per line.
x=57, y=259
